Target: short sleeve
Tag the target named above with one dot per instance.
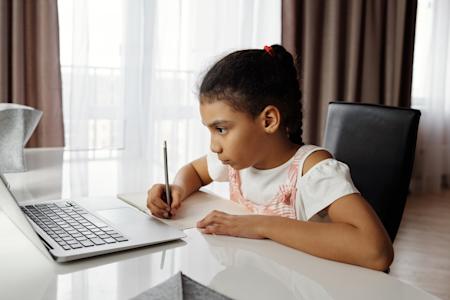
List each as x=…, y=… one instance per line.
x=323, y=184
x=216, y=169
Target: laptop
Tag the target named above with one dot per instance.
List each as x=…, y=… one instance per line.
x=70, y=230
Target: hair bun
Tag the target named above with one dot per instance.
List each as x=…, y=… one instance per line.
x=281, y=52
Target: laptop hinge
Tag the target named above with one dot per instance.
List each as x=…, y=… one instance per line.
x=47, y=245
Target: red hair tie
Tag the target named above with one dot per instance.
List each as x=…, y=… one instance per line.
x=269, y=50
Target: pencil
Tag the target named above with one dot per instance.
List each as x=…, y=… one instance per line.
x=166, y=175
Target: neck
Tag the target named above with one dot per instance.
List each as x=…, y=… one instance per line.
x=278, y=150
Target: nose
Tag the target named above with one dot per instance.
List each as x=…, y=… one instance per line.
x=215, y=146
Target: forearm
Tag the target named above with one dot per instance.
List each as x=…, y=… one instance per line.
x=188, y=179
x=336, y=241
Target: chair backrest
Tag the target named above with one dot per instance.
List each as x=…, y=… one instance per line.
x=378, y=144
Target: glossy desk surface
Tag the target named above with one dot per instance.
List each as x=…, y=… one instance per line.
x=238, y=268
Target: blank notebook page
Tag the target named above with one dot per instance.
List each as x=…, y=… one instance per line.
x=193, y=209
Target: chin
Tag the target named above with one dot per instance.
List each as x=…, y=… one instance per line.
x=235, y=165
x=238, y=167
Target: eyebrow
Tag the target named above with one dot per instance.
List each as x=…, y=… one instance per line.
x=217, y=123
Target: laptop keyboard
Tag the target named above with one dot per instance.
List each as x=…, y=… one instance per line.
x=71, y=226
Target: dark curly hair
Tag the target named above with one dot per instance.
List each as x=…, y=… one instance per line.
x=250, y=80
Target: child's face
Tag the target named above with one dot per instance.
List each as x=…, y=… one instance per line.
x=236, y=137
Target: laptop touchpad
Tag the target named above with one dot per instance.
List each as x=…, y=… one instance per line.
x=131, y=222
x=131, y=218
x=120, y=215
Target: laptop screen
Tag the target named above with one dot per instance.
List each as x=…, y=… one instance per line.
x=10, y=208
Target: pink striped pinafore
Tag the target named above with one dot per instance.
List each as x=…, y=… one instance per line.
x=283, y=204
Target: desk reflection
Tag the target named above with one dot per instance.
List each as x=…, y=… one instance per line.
x=244, y=265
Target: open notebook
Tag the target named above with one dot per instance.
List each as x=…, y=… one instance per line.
x=193, y=208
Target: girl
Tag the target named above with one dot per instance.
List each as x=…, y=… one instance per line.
x=303, y=198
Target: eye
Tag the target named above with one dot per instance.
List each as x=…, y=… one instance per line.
x=221, y=130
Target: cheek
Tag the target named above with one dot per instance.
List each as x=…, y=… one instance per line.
x=244, y=146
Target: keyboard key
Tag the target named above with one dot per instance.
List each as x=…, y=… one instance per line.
x=105, y=229
x=110, y=240
x=95, y=221
x=121, y=239
x=87, y=243
x=76, y=246
x=65, y=247
x=97, y=241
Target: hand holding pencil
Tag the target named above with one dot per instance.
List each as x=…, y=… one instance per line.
x=164, y=199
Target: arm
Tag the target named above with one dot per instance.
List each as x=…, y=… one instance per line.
x=355, y=235
x=192, y=177
x=188, y=179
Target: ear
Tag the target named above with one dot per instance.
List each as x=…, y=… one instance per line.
x=270, y=119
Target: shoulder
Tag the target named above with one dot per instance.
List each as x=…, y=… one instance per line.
x=314, y=158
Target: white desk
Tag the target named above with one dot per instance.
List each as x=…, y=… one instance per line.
x=239, y=268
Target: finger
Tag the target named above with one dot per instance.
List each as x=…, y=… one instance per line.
x=155, y=192
x=211, y=218
x=156, y=197
x=218, y=229
x=207, y=220
x=156, y=211
x=149, y=198
x=176, y=201
x=160, y=203
x=210, y=229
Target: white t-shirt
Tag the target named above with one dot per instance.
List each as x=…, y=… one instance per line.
x=324, y=183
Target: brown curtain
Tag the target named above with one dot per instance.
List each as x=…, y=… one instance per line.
x=29, y=64
x=349, y=50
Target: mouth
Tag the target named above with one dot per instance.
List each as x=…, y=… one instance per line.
x=226, y=161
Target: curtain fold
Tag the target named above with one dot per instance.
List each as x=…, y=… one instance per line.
x=358, y=51
x=29, y=64
x=431, y=94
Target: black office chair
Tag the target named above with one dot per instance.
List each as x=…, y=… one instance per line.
x=378, y=144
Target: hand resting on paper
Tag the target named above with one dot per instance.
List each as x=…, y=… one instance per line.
x=157, y=204
x=217, y=222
